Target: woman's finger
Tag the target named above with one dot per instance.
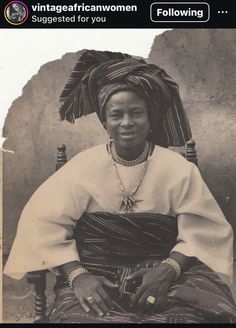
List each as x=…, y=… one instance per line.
x=101, y=304
x=136, y=274
x=94, y=306
x=138, y=294
x=143, y=300
x=108, y=283
x=149, y=308
x=84, y=305
x=158, y=302
x=105, y=296
x=151, y=303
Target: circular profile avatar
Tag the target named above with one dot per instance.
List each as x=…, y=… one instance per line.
x=16, y=12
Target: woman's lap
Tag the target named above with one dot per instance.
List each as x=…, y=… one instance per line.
x=198, y=296
x=67, y=309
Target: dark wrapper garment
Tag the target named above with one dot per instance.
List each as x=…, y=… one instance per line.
x=117, y=245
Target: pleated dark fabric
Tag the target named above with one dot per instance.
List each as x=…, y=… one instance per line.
x=117, y=245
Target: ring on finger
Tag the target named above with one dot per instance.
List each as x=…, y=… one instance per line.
x=101, y=303
x=151, y=299
x=90, y=299
x=94, y=305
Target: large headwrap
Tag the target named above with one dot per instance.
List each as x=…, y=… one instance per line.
x=99, y=74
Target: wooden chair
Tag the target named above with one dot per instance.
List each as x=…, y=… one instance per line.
x=38, y=278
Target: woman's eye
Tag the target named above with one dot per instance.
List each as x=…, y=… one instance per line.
x=115, y=116
x=138, y=113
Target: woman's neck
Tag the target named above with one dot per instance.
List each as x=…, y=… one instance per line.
x=130, y=154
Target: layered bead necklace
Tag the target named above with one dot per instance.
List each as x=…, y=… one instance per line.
x=128, y=201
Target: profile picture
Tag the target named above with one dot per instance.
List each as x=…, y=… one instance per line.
x=16, y=12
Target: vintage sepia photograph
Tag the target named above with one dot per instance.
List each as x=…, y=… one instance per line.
x=119, y=183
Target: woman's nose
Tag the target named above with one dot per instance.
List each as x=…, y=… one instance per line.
x=126, y=120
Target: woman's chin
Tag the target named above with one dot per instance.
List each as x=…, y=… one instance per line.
x=127, y=143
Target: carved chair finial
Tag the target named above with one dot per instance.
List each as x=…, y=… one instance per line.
x=61, y=156
x=191, y=154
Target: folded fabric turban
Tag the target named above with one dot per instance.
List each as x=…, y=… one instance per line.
x=99, y=74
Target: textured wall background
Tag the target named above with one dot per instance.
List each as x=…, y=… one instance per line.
x=201, y=61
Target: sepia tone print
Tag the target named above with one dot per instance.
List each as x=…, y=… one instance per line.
x=200, y=61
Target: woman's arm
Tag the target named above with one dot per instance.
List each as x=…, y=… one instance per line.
x=90, y=290
x=157, y=281
x=66, y=268
x=184, y=261
x=203, y=231
x=44, y=234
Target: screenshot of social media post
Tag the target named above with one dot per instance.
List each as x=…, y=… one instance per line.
x=118, y=162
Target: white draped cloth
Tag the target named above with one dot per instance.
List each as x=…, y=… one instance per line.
x=88, y=183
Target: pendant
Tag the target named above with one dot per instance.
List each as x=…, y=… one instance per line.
x=128, y=203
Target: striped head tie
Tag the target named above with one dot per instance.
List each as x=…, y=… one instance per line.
x=99, y=74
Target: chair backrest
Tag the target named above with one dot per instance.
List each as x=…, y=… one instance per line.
x=190, y=154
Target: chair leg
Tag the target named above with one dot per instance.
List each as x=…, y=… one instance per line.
x=40, y=308
x=38, y=279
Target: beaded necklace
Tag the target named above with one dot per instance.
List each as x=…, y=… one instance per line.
x=143, y=157
x=128, y=202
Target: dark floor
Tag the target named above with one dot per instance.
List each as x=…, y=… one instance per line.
x=18, y=299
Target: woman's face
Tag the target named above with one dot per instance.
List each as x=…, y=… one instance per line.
x=127, y=120
x=16, y=6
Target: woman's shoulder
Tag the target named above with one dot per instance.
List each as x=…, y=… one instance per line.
x=91, y=153
x=171, y=159
x=169, y=153
x=81, y=165
x=88, y=158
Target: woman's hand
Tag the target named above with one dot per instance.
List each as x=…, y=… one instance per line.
x=91, y=293
x=155, y=282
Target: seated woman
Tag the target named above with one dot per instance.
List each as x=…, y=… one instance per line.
x=129, y=227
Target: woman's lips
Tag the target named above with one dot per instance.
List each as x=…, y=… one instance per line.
x=127, y=135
